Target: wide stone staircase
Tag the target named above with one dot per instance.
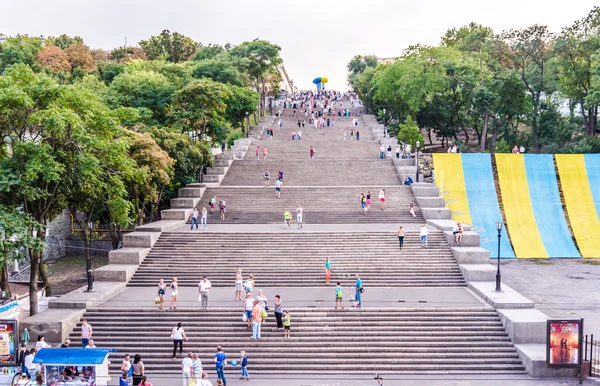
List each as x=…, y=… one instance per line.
x=386, y=338
x=323, y=341
x=298, y=259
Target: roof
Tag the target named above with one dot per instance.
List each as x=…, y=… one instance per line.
x=72, y=356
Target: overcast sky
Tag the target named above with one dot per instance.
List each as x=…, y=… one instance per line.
x=317, y=38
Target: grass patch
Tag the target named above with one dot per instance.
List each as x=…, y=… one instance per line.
x=543, y=262
x=591, y=262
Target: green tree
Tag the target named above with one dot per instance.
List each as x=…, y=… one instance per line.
x=175, y=47
x=63, y=41
x=210, y=51
x=219, y=69
x=198, y=105
x=20, y=49
x=262, y=59
x=240, y=101
x=143, y=89
x=409, y=133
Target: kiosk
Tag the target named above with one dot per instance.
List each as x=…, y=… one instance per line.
x=74, y=366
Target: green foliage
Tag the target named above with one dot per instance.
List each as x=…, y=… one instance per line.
x=238, y=134
x=63, y=41
x=209, y=52
x=20, y=49
x=409, y=133
x=220, y=69
x=175, y=47
x=502, y=146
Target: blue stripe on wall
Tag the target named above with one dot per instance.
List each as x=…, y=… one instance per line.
x=483, y=204
x=547, y=208
x=592, y=166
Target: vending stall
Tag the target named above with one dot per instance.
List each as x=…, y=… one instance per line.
x=74, y=366
x=8, y=350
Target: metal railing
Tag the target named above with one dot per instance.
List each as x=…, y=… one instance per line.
x=592, y=354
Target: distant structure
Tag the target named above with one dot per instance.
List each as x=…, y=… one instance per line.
x=3, y=38
x=286, y=84
x=387, y=60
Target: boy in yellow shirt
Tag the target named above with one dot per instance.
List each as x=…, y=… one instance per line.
x=287, y=219
x=287, y=323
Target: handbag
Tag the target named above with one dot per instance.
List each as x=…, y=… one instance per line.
x=244, y=317
x=266, y=307
x=157, y=300
x=264, y=314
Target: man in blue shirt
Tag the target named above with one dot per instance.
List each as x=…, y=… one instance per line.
x=220, y=360
x=359, y=290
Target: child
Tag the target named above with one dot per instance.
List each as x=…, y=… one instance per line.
x=244, y=365
x=287, y=323
x=287, y=219
x=123, y=380
x=338, y=296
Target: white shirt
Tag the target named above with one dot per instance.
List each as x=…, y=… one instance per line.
x=382, y=148
x=40, y=345
x=455, y=229
x=205, y=382
x=299, y=211
x=249, y=303
x=381, y=194
x=28, y=362
x=278, y=184
x=178, y=333
x=423, y=231
x=92, y=346
x=187, y=365
x=204, y=286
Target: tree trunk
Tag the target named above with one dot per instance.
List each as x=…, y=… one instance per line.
x=4, y=286
x=483, y=138
x=44, y=278
x=36, y=257
x=429, y=136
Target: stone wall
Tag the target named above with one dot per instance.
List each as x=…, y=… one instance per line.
x=426, y=166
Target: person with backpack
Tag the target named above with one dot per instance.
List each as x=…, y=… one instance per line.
x=266, y=175
x=222, y=209
x=339, y=296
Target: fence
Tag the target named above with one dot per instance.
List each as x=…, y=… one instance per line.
x=592, y=354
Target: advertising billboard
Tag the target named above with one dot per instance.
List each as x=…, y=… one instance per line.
x=563, y=346
x=8, y=343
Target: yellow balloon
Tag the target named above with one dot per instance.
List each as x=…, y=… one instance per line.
x=324, y=80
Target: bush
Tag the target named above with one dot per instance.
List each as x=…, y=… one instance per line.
x=409, y=133
x=237, y=134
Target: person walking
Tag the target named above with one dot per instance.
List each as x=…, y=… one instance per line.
x=369, y=202
x=339, y=296
x=299, y=211
x=174, y=293
x=239, y=281
x=363, y=204
x=257, y=319
x=194, y=218
x=389, y=152
x=248, y=308
x=357, y=135
x=244, y=363
x=265, y=152
x=352, y=134
x=222, y=209
x=411, y=210
x=287, y=219
x=203, y=288
x=287, y=324
x=220, y=362
x=212, y=203
x=86, y=332
x=126, y=365
x=397, y=151
x=186, y=369
x=137, y=369
x=381, y=151
x=312, y=152
x=327, y=270
x=359, y=291
x=266, y=175
x=278, y=185
x=161, y=294
x=278, y=312
x=197, y=371
x=257, y=151
x=382, y=199
x=249, y=284
x=203, y=218
x=401, y=235
x=423, y=233
x=178, y=335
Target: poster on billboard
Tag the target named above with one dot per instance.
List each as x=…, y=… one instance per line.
x=563, y=346
x=8, y=343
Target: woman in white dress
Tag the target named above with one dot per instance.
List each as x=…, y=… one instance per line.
x=174, y=293
x=238, y=285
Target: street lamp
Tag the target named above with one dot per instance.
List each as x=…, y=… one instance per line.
x=384, y=129
x=498, y=277
x=418, y=146
x=248, y=123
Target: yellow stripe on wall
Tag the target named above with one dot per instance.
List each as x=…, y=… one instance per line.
x=449, y=177
x=520, y=218
x=580, y=203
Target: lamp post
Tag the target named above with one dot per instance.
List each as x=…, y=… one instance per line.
x=498, y=277
x=384, y=129
x=248, y=125
x=417, y=160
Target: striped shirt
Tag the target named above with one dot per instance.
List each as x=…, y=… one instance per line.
x=197, y=366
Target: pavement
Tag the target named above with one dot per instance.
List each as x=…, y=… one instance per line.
x=560, y=288
x=368, y=380
x=318, y=297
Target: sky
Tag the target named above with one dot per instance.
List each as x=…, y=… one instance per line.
x=317, y=37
